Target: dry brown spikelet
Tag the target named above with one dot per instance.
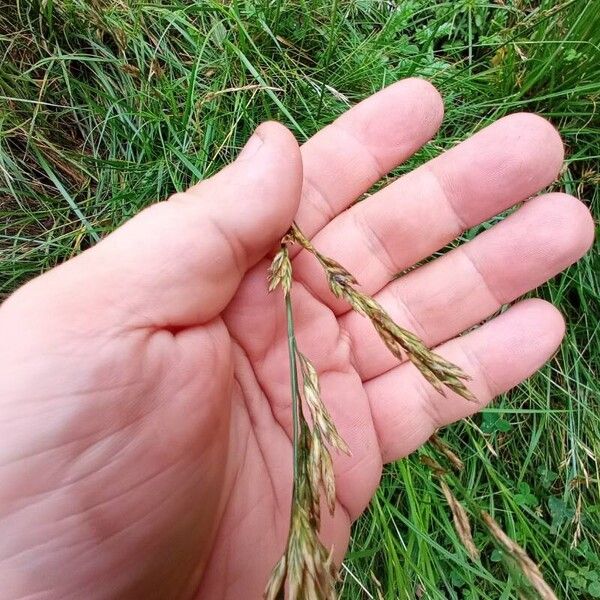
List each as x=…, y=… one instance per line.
x=461, y=521
x=529, y=569
x=440, y=445
x=280, y=271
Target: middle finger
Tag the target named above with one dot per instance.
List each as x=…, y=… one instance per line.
x=424, y=210
x=465, y=286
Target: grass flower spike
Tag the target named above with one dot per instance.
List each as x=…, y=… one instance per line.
x=306, y=564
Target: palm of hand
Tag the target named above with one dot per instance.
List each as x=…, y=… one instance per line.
x=140, y=460
x=158, y=456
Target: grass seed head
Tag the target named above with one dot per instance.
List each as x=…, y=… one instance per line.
x=527, y=566
x=280, y=271
x=320, y=415
x=402, y=343
x=461, y=521
x=311, y=572
x=275, y=586
x=308, y=567
x=440, y=445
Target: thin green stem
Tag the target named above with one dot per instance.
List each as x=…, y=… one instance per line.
x=296, y=408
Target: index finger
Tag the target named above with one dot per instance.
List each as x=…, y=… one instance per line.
x=344, y=159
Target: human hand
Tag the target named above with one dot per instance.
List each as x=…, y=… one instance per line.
x=144, y=384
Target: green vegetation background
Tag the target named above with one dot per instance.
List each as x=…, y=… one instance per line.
x=109, y=105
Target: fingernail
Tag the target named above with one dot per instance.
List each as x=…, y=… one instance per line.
x=252, y=146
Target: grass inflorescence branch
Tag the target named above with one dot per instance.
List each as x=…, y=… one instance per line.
x=401, y=343
x=306, y=564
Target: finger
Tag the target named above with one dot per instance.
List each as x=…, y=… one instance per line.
x=179, y=262
x=468, y=284
x=347, y=157
x=424, y=210
x=499, y=355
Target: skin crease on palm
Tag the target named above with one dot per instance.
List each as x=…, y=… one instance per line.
x=145, y=417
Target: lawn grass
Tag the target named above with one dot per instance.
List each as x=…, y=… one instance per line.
x=107, y=106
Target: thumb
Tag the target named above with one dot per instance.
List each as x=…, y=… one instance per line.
x=179, y=262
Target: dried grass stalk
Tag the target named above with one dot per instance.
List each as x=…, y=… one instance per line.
x=433, y=465
x=529, y=569
x=461, y=521
x=440, y=445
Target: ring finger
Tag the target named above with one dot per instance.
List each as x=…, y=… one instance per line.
x=468, y=284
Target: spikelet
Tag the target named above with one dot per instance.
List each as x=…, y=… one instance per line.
x=320, y=415
x=275, y=586
x=280, y=271
x=461, y=521
x=529, y=569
